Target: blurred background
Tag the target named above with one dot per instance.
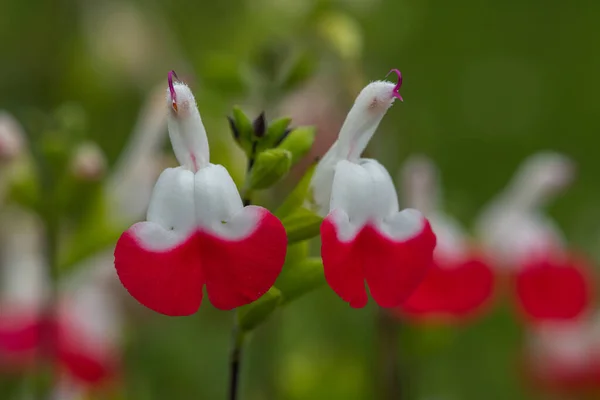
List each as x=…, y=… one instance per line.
x=83, y=138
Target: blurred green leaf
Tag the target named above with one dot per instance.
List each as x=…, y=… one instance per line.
x=344, y=34
x=296, y=252
x=251, y=315
x=269, y=168
x=92, y=234
x=297, y=70
x=300, y=277
x=302, y=224
x=298, y=142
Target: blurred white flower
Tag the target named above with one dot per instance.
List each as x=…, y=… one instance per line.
x=513, y=227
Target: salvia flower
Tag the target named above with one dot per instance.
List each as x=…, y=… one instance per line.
x=197, y=231
x=365, y=237
x=460, y=282
x=550, y=282
x=84, y=348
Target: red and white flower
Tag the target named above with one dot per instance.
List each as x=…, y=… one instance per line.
x=197, y=231
x=550, y=282
x=365, y=236
x=460, y=282
x=84, y=349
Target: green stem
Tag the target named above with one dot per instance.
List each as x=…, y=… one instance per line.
x=388, y=371
x=235, y=359
x=237, y=344
x=43, y=375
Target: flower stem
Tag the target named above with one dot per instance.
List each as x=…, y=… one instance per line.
x=388, y=371
x=237, y=341
x=235, y=360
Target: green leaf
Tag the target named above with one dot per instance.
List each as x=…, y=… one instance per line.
x=251, y=315
x=270, y=167
x=302, y=224
x=298, y=142
x=298, y=196
x=300, y=278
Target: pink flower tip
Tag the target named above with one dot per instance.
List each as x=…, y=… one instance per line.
x=172, y=89
x=398, y=84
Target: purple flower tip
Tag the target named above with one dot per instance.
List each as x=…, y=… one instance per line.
x=398, y=84
x=171, y=88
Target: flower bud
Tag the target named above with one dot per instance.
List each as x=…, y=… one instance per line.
x=12, y=137
x=88, y=162
x=242, y=129
x=260, y=125
x=270, y=166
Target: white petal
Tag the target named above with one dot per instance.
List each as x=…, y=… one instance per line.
x=364, y=191
x=322, y=180
x=186, y=130
x=402, y=225
x=421, y=188
x=398, y=227
x=369, y=108
x=24, y=281
x=172, y=202
x=89, y=293
x=219, y=205
x=451, y=244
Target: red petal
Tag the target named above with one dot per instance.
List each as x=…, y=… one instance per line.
x=19, y=339
x=87, y=367
x=553, y=290
x=169, y=282
x=86, y=358
x=395, y=269
x=240, y=272
x=343, y=266
x=392, y=269
x=456, y=291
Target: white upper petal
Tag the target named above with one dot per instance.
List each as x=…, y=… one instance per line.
x=172, y=204
x=186, y=130
x=363, y=119
x=24, y=280
x=451, y=238
x=364, y=193
x=219, y=207
x=183, y=202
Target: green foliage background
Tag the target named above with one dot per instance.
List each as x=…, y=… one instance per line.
x=486, y=83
